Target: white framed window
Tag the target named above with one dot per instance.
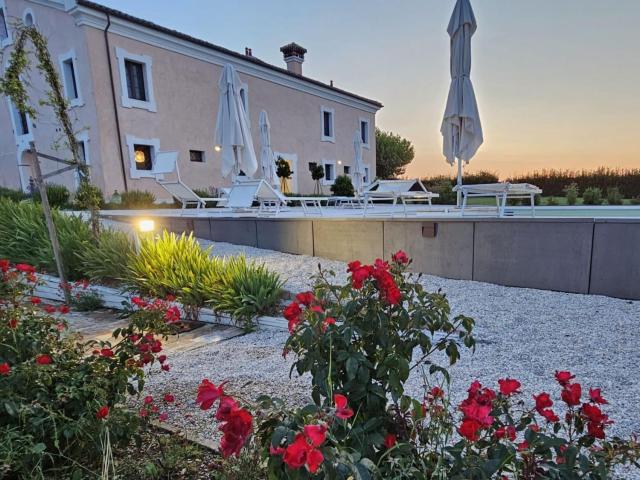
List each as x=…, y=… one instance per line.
x=366, y=179
x=142, y=155
x=365, y=132
x=327, y=117
x=197, y=156
x=28, y=18
x=136, y=80
x=329, y=172
x=83, y=152
x=70, y=81
x=21, y=123
x=5, y=33
x=244, y=97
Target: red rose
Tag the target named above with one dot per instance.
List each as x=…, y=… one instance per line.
x=208, y=393
x=305, y=298
x=596, y=396
x=549, y=415
x=49, y=309
x=596, y=430
x=24, y=268
x=172, y=315
x=170, y=298
x=523, y=446
x=390, y=440
x=295, y=455
x=564, y=377
x=400, y=257
x=236, y=429
x=35, y=301
x=593, y=413
x=436, y=392
x=165, y=367
x=509, y=386
x=359, y=275
x=469, y=429
x=148, y=399
x=543, y=400
x=43, y=359
x=316, y=434
x=13, y=323
x=163, y=416
x=162, y=358
x=5, y=368
x=103, y=412
x=342, y=409
x=106, y=352
x=328, y=321
x=506, y=432
x=293, y=315
x=225, y=407
x=478, y=412
x=314, y=460
x=353, y=266
x=64, y=309
x=4, y=265
x=571, y=394
x=169, y=398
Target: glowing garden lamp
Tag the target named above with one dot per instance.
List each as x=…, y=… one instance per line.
x=146, y=225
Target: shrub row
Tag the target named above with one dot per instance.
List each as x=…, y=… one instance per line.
x=553, y=182
x=167, y=265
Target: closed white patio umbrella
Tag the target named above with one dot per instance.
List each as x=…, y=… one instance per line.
x=461, y=129
x=267, y=159
x=358, y=167
x=233, y=134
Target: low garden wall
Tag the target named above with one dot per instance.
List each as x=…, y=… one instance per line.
x=49, y=289
x=578, y=255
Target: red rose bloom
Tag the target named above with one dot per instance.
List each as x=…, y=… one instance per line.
x=64, y=309
x=24, y=268
x=305, y=298
x=295, y=455
x=106, y=352
x=328, y=321
x=390, y=440
x=49, y=309
x=102, y=413
x=595, y=395
x=43, y=359
x=163, y=416
x=316, y=434
x=148, y=399
x=293, y=314
x=543, y=400
x=523, y=446
x=5, y=368
x=506, y=432
x=169, y=398
x=13, y=323
x=225, y=407
x=165, y=367
x=172, y=315
x=549, y=415
x=564, y=377
x=208, y=393
x=509, y=386
x=469, y=429
x=342, y=409
x=35, y=301
x=571, y=394
x=236, y=429
x=400, y=257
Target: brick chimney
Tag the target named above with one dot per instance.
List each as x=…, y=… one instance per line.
x=293, y=57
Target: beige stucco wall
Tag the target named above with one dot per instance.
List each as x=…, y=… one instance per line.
x=63, y=36
x=185, y=90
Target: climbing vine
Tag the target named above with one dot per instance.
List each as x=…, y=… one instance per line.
x=12, y=85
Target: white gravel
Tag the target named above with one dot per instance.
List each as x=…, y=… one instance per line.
x=521, y=333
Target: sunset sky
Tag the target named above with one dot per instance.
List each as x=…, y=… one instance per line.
x=557, y=81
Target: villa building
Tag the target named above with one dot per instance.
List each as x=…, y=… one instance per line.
x=136, y=88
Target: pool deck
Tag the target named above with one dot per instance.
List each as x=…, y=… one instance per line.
x=589, y=250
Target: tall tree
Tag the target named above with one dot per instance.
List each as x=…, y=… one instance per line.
x=393, y=154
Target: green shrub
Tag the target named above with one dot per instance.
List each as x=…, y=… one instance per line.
x=572, y=193
x=172, y=265
x=592, y=196
x=88, y=196
x=614, y=197
x=552, y=202
x=137, y=199
x=57, y=401
x=105, y=260
x=444, y=188
x=24, y=237
x=58, y=195
x=342, y=187
x=243, y=289
x=635, y=201
x=11, y=194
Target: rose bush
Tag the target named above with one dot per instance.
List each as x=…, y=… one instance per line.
x=360, y=341
x=60, y=395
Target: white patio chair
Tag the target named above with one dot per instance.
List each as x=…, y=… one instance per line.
x=166, y=163
x=406, y=191
x=501, y=191
x=243, y=194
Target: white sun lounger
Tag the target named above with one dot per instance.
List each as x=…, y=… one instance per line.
x=167, y=163
x=501, y=192
x=407, y=191
x=242, y=195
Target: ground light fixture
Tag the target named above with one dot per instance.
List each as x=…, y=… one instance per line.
x=144, y=228
x=146, y=225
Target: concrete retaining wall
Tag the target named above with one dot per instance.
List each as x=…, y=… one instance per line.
x=571, y=255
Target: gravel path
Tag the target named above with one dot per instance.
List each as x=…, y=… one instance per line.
x=522, y=333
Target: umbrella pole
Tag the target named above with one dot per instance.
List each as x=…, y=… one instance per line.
x=459, y=183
